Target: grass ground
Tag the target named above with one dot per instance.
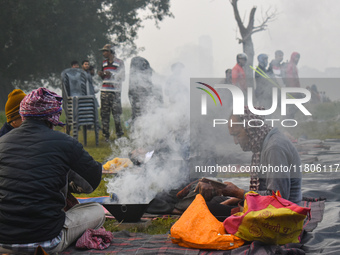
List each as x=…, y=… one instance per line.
x=323, y=124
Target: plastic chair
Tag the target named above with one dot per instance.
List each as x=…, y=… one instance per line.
x=80, y=107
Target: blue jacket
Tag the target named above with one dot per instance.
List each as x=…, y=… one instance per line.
x=5, y=129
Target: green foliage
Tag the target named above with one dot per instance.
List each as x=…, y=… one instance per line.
x=40, y=38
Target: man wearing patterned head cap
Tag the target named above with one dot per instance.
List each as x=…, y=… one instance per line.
x=35, y=162
x=270, y=148
x=12, y=111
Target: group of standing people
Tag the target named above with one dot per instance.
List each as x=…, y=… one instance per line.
x=89, y=70
x=141, y=93
x=144, y=95
x=279, y=74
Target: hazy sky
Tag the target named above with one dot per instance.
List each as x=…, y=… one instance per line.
x=310, y=27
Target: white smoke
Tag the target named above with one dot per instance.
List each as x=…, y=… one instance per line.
x=164, y=129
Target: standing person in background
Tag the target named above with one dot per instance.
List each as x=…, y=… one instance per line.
x=12, y=111
x=228, y=76
x=140, y=86
x=175, y=84
x=238, y=75
x=113, y=75
x=94, y=82
x=292, y=80
x=315, y=95
x=90, y=87
x=74, y=64
x=263, y=91
x=85, y=65
x=292, y=74
x=277, y=69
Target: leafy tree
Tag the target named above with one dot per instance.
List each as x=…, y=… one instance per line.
x=39, y=38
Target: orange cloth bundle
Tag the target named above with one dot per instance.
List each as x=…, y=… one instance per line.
x=198, y=228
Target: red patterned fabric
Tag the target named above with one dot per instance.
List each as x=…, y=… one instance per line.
x=98, y=239
x=42, y=104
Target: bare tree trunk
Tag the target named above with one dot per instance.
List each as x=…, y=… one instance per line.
x=246, y=33
x=248, y=48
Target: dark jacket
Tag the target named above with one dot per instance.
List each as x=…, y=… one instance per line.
x=5, y=129
x=34, y=163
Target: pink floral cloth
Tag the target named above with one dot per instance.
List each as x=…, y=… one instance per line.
x=98, y=239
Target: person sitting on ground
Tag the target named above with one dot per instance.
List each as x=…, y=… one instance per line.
x=35, y=162
x=270, y=148
x=12, y=111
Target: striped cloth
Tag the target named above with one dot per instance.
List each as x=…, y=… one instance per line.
x=30, y=247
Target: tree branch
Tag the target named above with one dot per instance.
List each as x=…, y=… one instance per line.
x=263, y=25
x=251, y=19
x=237, y=16
x=258, y=30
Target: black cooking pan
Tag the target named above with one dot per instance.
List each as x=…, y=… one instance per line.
x=127, y=212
